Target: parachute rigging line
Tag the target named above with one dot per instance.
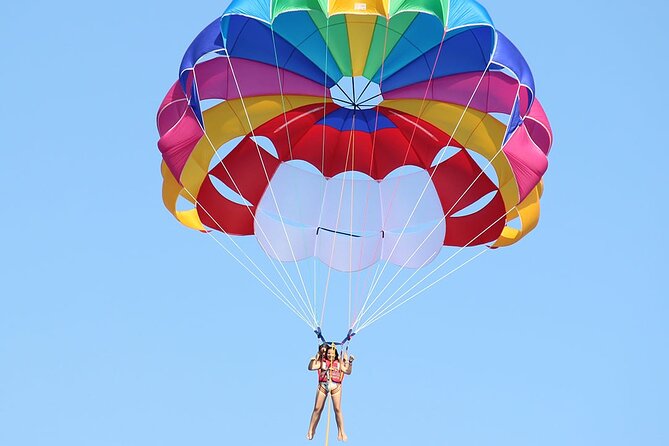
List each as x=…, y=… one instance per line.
x=279, y=295
x=220, y=162
x=421, y=109
x=462, y=115
x=406, y=154
x=341, y=200
x=211, y=144
x=434, y=228
x=432, y=272
x=215, y=152
x=392, y=308
x=271, y=189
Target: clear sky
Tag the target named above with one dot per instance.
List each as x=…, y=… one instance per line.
x=119, y=327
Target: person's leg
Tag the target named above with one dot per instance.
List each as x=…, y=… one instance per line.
x=339, y=416
x=316, y=414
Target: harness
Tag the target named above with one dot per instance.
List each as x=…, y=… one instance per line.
x=330, y=371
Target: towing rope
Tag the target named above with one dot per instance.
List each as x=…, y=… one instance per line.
x=327, y=427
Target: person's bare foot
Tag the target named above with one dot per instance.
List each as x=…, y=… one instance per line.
x=310, y=435
x=341, y=436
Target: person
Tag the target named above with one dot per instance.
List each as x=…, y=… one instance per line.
x=331, y=373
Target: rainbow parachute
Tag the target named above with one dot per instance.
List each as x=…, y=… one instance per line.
x=355, y=132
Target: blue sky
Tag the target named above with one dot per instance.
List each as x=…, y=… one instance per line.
x=120, y=327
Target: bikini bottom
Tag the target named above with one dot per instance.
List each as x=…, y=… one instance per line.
x=333, y=388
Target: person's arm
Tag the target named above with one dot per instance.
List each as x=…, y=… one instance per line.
x=315, y=362
x=347, y=364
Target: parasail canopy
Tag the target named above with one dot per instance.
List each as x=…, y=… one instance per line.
x=354, y=134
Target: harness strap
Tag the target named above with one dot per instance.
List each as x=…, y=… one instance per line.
x=347, y=339
x=319, y=334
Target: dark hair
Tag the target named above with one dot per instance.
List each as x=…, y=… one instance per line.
x=328, y=347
